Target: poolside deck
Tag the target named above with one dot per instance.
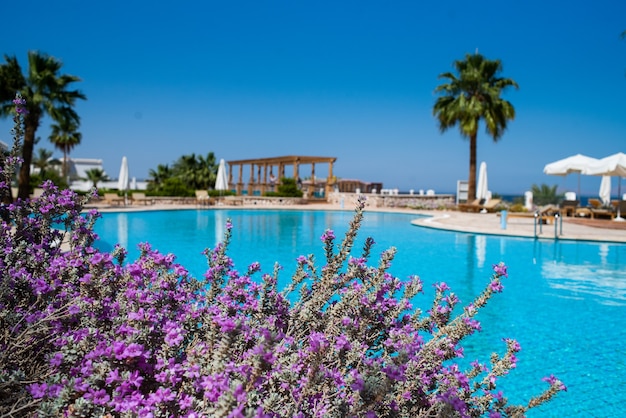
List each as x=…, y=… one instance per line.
x=490, y=223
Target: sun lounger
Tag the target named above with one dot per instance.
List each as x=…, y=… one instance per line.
x=595, y=203
x=113, y=198
x=598, y=211
x=141, y=198
x=568, y=207
x=544, y=213
x=202, y=198
x=476, y=206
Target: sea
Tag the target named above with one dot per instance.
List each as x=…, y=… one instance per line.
x=584, y=200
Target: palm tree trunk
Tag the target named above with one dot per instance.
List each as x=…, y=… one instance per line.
x=23, y=191
x=471, y=183
x=64, y=168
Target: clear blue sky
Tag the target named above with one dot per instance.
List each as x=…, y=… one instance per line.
x=350, y=79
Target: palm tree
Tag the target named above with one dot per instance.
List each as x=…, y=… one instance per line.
x=545, y=195
x=65, y=136
x=197, y=172
x=95, y=176
x=42, y=161
x=207, y=171
x=158, y=176
x=471, y=95
x=46, y=93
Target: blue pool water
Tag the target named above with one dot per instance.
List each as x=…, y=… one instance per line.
x=565, y=302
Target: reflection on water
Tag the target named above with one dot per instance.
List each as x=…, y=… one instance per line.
x=587, y=279
x=220, y=223
x=481, y=250
x=122, y=230
x=582, y=274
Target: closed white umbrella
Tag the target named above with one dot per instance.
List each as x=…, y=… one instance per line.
x=221, y=183
x=122, y=180
x=605, y=190
x=482, y=188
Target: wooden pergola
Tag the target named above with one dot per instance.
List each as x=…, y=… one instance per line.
x=265, y=173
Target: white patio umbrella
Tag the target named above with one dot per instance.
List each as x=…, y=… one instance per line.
x=482, y=189
x=122, y=180
x=605, y=190
x=613, y=165
x=574, y=164
x=221, y=183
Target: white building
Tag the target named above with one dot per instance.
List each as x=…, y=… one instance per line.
x=77, y=171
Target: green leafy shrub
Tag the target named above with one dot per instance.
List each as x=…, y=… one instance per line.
x=287, y=188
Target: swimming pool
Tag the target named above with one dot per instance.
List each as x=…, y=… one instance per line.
x=565, y=302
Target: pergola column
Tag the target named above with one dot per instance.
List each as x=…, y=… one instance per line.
x=240, y=183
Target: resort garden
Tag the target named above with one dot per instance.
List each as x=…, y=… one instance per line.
x=91, y=333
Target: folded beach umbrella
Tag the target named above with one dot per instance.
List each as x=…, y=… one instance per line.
x=221, y=183
x=122, y=180
x=605, y=190
x=482, y=188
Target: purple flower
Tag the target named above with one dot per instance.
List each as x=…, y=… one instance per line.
x=342, y=343
x=496, y=286
x=185, y=402
x=553, y=380
x=328, y=235
x=500, y=269
x=162, y=395
x=20, y=105
x=100, y=397
x=174, y=334
x=135, y=379
x=317, y=341
x=358, y=383
x=114, y=376
x=38, y=390
x=442, y=287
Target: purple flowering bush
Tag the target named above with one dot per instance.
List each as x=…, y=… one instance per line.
x=90, y=333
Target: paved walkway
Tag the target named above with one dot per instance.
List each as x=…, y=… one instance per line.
x=490, y=223
x=478, y=223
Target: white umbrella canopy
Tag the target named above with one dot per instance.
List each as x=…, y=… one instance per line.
x=575, y=164
x=482, y=189
x=221, y=183
x=613, y=165
x=578, y=163
x=605, y=190
x=122, y=180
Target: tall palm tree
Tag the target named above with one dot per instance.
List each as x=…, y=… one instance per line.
x=64, y=137
x=46, y=92
x=471, y=95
